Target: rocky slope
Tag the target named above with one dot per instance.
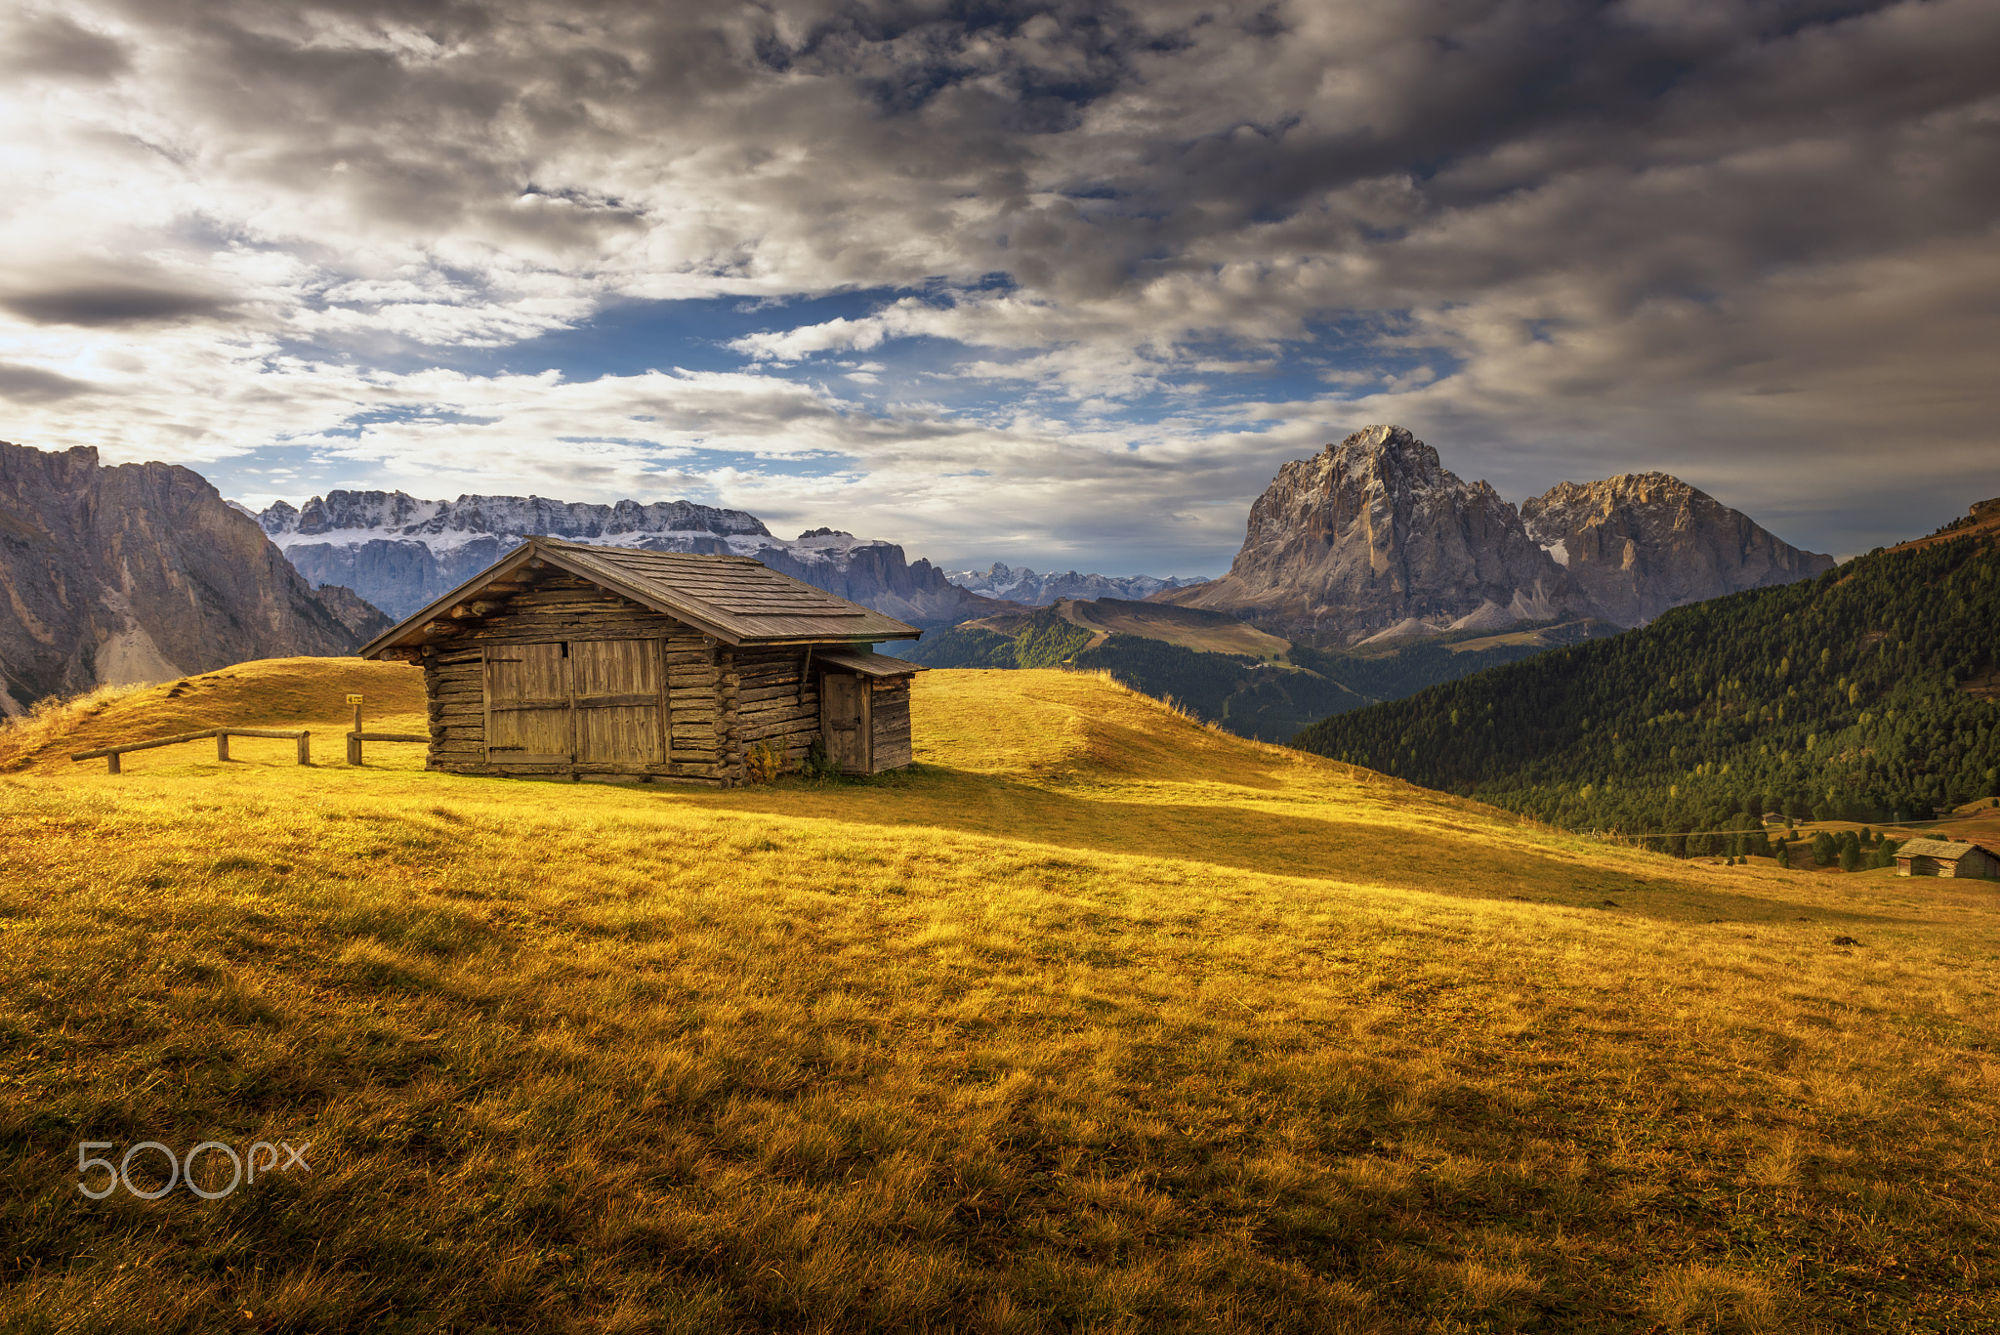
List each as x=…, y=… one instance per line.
x=140, y=572
x=1640, y=543
x=399, y=552
x=1375, y=534
x=1038, y=590
x=1373, y=539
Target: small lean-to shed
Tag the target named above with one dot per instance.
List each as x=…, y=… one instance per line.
x=1947, y=857
x=605, y=662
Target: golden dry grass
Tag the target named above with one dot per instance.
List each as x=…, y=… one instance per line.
x=1096, y=1020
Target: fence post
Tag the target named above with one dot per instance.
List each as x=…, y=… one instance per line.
x=221, y=745
x=305, y=748
x=113, y=759
x=354, y=738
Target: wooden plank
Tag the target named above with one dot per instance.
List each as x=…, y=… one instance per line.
x=844, y=720
x=666, y=718
x=486, y=705
x=528, y=708
x=642, y=699
x=174, y=740
x=617, y=690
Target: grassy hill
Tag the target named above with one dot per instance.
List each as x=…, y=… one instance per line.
x=1223, y=670
x=1869, y=694
x=1095, y=1020
x=1100, y=618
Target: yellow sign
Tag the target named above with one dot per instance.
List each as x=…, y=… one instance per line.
x=353, y=699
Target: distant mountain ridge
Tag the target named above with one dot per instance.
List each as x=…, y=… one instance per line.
x=1374, y=538
x=400, y=552
x=142, y=572
x=1033, y=589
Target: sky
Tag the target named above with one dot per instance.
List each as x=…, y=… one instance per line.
x=1057, y=284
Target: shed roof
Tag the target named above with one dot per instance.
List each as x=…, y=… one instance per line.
x=1935, y=848
x=867, y=662
x=734, y=598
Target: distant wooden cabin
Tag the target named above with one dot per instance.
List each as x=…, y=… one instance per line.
x=1947, y=857
x=601, y=662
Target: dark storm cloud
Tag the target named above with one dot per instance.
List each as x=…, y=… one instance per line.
x=50, y=46
x=97, y=304
x=29, y=384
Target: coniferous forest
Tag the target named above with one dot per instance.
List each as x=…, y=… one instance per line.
x=1870, y=693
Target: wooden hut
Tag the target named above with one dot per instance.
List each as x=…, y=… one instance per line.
x=597, y=662
x=1947, y=857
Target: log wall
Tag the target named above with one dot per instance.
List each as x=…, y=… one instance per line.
x=889, y=708
x=777, y=701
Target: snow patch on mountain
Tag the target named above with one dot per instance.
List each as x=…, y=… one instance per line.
x=400, y=552
x=1028, y=586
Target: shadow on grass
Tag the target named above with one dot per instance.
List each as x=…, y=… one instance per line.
x=1412, y=854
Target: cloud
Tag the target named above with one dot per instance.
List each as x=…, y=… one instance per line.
x=1133, y=255
x=51, y=46
x=98, y=304
x=28, y=384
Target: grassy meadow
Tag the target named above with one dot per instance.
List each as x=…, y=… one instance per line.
x=1096, y=1020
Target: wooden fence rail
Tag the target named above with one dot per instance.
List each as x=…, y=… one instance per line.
x=221, y=736
x=355, y=739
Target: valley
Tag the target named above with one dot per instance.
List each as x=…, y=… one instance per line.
x=1225, y=671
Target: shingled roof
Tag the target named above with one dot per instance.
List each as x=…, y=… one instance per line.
x=734, y=598
x=1936, y=848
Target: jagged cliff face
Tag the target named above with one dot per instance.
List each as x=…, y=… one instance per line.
x=399, y=552
x=1641, y=543
x=1375, y=535
x=1021, y=585
x=1373, y=538
x=138, y=573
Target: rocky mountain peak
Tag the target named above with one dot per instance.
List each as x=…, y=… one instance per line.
x=139, y=572
x=1374, y=532
x=1640, y=543
x=1375, y=535
x=1375, y=446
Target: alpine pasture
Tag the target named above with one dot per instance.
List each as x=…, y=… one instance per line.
x=1095, y=1020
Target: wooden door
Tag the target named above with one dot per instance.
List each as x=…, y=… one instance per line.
x=527, y=704
x=618, y=687
x=843, y=721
